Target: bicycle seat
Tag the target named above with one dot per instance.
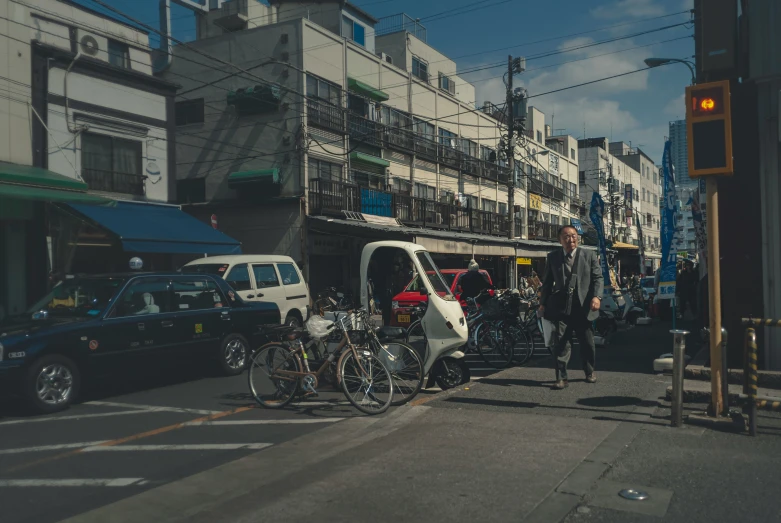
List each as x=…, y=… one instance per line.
x=391, y=333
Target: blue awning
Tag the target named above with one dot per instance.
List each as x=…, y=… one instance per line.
x=145, y=227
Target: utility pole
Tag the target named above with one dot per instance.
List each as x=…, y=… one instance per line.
x=516, y=115
x=612, y=201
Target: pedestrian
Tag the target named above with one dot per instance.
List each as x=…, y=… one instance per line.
x=473, y=282
x=571, y=295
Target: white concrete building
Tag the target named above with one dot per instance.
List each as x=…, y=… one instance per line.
x=679, y=153
x=84, y=123
x=344, y=118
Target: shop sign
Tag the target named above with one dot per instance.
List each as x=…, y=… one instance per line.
x=523, y=261
x=535, y=202
x=326, y=246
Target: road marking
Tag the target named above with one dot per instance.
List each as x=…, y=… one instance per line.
x=45, y=448
x=75, y=416
x=115, y=482
x=208, y=446
x=262, y=422
x=127, y=439
x=153, y=408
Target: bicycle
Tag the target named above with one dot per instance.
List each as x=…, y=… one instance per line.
x=364, y=380
x=332, y=300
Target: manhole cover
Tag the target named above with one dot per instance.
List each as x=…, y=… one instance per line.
x=633, y=495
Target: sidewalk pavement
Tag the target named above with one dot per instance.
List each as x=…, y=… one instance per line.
x=507, y=448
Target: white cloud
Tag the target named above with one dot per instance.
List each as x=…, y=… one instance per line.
x=628, y=9
x=676, y=108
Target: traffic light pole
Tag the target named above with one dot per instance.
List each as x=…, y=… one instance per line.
x=714, y=295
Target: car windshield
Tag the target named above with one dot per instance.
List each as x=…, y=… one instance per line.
x=79, y=297
x=414, y=285
x=217, y=269
x=434, y=277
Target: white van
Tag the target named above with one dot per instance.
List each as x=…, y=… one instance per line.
x=259, y=277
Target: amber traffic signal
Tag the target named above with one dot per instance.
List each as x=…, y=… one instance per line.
x=709, y=129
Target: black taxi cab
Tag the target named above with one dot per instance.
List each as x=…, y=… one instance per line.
x=105, y=324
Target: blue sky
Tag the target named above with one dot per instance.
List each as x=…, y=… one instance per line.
x=634, y=108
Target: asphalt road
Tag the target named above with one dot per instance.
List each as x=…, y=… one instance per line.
x=134, y=433
x=130, y=435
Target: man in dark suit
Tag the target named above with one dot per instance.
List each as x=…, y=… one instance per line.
x=570, y=298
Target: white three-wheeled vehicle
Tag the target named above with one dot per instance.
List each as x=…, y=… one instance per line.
x=443, y=320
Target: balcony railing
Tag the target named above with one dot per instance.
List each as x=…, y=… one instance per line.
x=321, y=114
x=365, y=130
x=112, y=181
x=542, y=231
x=328, y=197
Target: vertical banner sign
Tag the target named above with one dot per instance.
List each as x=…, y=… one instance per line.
x=668, y=273
x=641, y=243
x=699, y=232
x=596, y=214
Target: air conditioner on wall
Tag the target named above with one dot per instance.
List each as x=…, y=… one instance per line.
x=385, y=57
x=92, y=44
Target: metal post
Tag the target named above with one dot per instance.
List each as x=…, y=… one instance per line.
x=714, y=293
x=724, y=373
x=511, y=163
x=679, y=362
x=753, y=380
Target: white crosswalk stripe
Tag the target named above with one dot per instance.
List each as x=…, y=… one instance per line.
x=206, y=446
x=88, y=482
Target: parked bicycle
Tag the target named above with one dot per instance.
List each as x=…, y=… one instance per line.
x=278, y=372
x=332, y=299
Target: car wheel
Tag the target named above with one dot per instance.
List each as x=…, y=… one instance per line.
x=293, y=321
x=51, y=384
x=233, y=354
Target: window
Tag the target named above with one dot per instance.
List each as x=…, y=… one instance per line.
x=486, y=153
x=489, y=205
x=539, y=136
x=419, y=68
x=320, y=170
x=395, y=119
x=545, y=217
x=265, y=276
x=554, y=220
x=111, y=164
x=447, y=197
x=238, y=278
x=189, y=111
x=146, y=296
x=196, y=295
x=572, y=153
x=503, y=209
x=400, y=186
x=582, y=176
x=447, y=84
x=469, y=147
x=643, y=193
x=423, y=128
x=288, y=273
x=326, y=91
x=448, y=138
x=354, y=31
x=426, y=192
x=118, y=54
x=573, y=190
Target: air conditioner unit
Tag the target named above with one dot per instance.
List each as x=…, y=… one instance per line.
x=385, y=57
x=92, y=44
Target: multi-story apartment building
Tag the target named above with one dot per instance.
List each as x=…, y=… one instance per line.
x=612, y=170
x=86, y=140
x=336, y=129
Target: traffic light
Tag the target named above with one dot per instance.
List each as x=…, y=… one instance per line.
x=709, y=129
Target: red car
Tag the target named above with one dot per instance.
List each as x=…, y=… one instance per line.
x=401, y=315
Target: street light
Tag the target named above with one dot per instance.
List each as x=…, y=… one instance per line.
x=656, y=62
x=543, y=152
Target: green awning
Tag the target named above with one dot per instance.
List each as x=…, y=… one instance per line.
x=261, y=176
x=368, y=158
x=366, y=90
x=24, y=182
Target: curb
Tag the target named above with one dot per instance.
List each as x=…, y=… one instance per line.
x=768, y=379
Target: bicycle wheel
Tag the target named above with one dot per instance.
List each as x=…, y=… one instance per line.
x=404, y=366
x=269, y=388
x=366, y=382
x=523, y=347
x=495, y=349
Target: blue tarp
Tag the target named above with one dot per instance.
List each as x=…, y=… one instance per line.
x=143, y=227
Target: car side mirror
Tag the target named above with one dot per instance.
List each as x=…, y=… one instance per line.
x=259, y=295
x=423, y=292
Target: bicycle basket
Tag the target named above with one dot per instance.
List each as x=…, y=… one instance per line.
x=358, y=337
x=492, y=309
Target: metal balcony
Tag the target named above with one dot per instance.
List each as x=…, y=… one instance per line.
x=321, y=114
x=112, y=181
